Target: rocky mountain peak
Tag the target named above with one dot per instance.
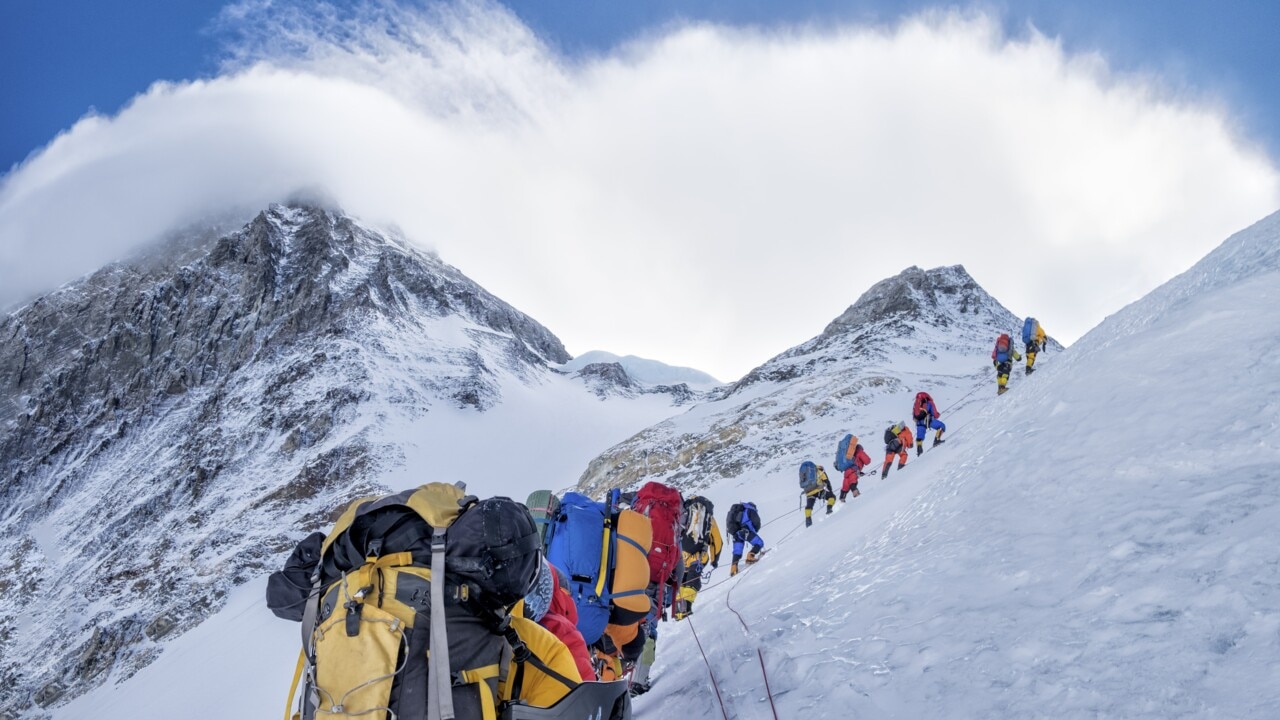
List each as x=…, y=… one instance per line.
x=904, y=331
x=158, y=418
x=915, y=295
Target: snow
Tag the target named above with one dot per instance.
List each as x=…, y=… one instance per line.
x=1099, y=542
x=238, y=664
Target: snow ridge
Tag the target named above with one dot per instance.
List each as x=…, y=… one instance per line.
x=1096, y=543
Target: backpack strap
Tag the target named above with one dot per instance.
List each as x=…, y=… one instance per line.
x=478, y=677
x=438, y=681
x=293, y=687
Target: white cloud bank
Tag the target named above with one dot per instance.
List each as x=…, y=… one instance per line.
x=707, y=196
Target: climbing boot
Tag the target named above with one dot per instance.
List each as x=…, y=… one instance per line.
x=919, y=449
x=751, y=556
x=733, y=569
x=808, y=522
x=1002, y=390
x=855, y=492
x=829, y=509
x=884, y=473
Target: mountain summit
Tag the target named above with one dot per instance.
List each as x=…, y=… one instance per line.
x=921, y=329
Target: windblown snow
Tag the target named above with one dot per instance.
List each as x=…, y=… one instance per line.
x=1099, y=542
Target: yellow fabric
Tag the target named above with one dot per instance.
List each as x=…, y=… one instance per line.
x=712, y=551
x=824, y=484
x=603, y=575
x=437, y=503
x=488, y=707
x=293, y=687
x=540, y=689
x=354, y=673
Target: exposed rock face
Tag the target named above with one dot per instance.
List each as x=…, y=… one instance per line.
x=935, y=326
x=612, y=380
x=607, y=379
x=159, y=418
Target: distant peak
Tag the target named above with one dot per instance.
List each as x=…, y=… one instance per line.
x=912, y=293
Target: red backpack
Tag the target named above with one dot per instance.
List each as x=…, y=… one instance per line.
x=922, y=403
x=664, y=507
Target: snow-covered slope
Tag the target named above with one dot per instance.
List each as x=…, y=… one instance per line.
x=643, y=370
x=170, y=427
x=1100, y=542
x=1097, y=543
x=921, y=330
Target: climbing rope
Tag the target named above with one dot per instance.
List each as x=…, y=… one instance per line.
x=759, y=654
x=710, y=672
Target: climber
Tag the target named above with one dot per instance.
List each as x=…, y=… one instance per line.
x=926, y=414
x=1003, y=357
x=1033, y=338
x=897, y=439
x=821, y=491
x=550, y=605
x=743, y=525
x=700, y=547
x=851, y=459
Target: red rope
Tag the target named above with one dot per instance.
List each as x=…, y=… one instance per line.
x=760, y=653
x=710, y=672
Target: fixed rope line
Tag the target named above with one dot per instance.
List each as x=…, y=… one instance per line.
x=792, y=512
x=759, y=653
x=710, y=672
x=962, y=399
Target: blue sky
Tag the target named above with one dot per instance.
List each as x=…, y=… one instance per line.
x=59, y=59
x=590, y=161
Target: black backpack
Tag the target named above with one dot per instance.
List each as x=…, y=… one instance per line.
x=372, y=609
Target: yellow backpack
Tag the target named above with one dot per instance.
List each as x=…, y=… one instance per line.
x=374, y=613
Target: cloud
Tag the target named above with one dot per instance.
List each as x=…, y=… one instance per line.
x=708, y=196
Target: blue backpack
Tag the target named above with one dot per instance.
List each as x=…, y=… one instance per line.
x=584, y=544
x=843, y=461
x=575, y=545
x=1029, y=330
x=808, y=476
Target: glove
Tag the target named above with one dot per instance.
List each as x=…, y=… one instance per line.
x=715, y=564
